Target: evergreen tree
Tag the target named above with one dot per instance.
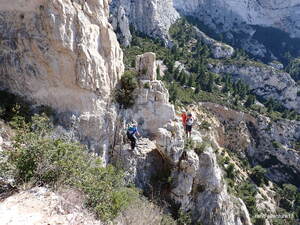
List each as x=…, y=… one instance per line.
x=210, y=84
x=236, y=101
x=198, y=88
x=158, y=72
x=250, y=100
x=270, y=105
x=228, y=83
x=191, y=80
x=183, y=78
x=173, y=91
x=177, y=74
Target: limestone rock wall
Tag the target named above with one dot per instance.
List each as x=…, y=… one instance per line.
x=274, y=148
x=197, y=183
x=230, y=14
x=151, y=17
x=261, y=141
x=264, y=80
x=238, y=21
x=64, y=54
x=152, y=108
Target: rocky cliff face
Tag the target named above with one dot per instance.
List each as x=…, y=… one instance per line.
x=232, y=14
x=151, y=17
x=265, y=81
x=274, y=148
x=264, y=142
x=240, y=23
x=238, y=19
x=196, y=180
x=63, y=54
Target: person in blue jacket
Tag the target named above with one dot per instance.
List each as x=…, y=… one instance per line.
x=132, y=131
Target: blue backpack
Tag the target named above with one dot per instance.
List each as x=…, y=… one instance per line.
x=131, y=131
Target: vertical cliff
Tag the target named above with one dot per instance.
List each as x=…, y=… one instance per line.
x=151, y=17
x=64, y=54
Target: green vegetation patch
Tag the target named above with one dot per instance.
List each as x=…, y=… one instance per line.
x=125, y=94
x=38, y=159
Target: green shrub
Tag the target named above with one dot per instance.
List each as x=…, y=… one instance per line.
x=258, y=175
x=247, y=192
x=147, y=85
x=226, y=160
x=12, y=105
x=259, y=221
x=289, y=191
x=200, y=147
x=189, y=144
x=230, y=171
x=41, y=160
x=125, y=94
x=205, y=125
x=184, y=218
x=276, y=144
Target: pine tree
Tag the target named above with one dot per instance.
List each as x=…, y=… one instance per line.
x=210, y=84
x=177, y=74
x=158, y=72
x=250, y=100
x=270, y=105
x=173, y=93
x=183, y=78
x=228, y=83
x=191, y=80
x=198, y=88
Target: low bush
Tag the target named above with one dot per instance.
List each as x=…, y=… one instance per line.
x=205, y=125
x=189, y=144
x=247, y=192
x=144, y=212
x=125, y=94
x=258, y=175
x=200, y=147
x=276, y=144
x=230, y=171
x=184, y=218
x=147, y=85
x=40, y=160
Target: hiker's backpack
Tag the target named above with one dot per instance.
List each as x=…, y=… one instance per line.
x=189, y=121
x=130, y=131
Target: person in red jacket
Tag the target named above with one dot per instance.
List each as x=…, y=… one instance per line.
x=183, y=118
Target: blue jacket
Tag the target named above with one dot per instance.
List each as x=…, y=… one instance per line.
x=132, y=130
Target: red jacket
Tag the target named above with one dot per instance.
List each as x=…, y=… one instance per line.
x=183, y=117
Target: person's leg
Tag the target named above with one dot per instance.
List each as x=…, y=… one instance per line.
x=135, y=139
x=189, y=129
x=132, y=140
x=186, y=130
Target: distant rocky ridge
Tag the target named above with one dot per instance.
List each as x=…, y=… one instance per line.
x=265, y=81
x=151, y=17
x=230, y=17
